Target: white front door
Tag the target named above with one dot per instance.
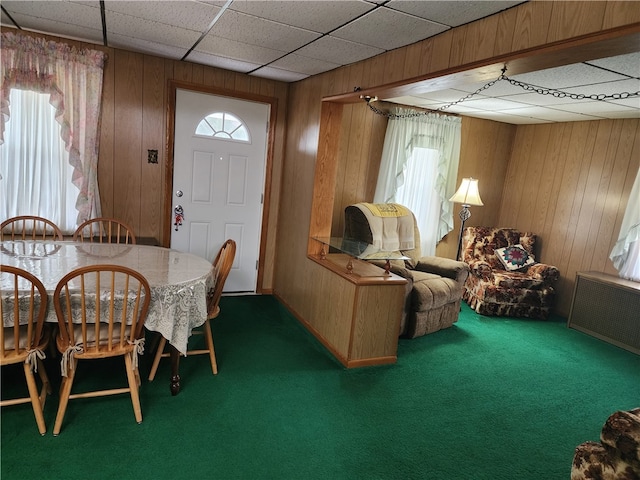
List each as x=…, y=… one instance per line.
x=220, y=148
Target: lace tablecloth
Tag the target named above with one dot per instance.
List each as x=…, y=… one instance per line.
x=179, y=281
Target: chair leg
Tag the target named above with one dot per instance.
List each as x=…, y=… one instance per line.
x=35, y=398
x=212, y=353
x=46, y=385
x=133, y=387
x=156, y=360
x=65, y=391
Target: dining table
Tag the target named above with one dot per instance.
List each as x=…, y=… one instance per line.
x=179, y=281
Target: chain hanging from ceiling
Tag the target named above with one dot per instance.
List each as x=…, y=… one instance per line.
x=526, y=86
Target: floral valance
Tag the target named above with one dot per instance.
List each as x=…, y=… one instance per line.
x=73, y=78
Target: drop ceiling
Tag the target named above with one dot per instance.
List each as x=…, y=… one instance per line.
x=291, y=40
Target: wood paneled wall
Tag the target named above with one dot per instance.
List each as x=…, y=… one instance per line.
x=569, y=183
x=134, y=120
x=526, y=29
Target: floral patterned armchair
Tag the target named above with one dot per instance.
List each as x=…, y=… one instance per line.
x=616, y=456
x=504, y=277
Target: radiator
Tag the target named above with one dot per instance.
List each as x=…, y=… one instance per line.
x=607, y=308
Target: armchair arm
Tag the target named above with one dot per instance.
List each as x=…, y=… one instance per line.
x=480, y=268
x=445, y=267
x=548, y=273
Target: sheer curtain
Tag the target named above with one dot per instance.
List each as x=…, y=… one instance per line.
x=73, y=79
x=626, y=252
x=33, y=134
x=419, y=169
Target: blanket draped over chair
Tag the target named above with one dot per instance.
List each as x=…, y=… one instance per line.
x=391, y=225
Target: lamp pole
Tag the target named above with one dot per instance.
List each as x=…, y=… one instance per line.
x=464, y=214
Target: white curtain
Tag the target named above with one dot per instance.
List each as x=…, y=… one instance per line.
x=73, y=78
x=626, y=252
x=34, y=165
x=413, y=138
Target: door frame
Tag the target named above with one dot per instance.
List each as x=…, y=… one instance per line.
x=172, y=86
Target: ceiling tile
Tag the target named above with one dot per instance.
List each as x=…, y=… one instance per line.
x=627, y=64
x=551, y=115
x=145, y=46
x=65, y=30
x=388, y=29
x=593, y=107
x=185, y=14
x=568, y=76
x=222, y=62
x=499, y=88
x=278, y=74
x=494, y=104
x=256, y=31
x=335, y=50
x=225, y=47
x=451, y=13
x=446, y=96
x=67, y=19
x=64, y=12
x=510, y=118
x=132, y=27
x=318, y=16
x=300, y=64
x=412, y=100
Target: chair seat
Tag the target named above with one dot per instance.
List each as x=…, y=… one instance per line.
x=91, y=338
x=9, y=343
x=433, y=291
x=506, y=279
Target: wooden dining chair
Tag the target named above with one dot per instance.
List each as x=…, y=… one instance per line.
x=29, y=227
x=24, y=338
x=221, y=267
x=101, y=311
x=105, y=230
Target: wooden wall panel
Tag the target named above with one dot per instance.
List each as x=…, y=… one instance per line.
x=128, y=137
x=151, y=217
x=532, y=25
x=359, y=160
x=571, y=19
x=621, y=13
x=477, y=43
x=578, y=198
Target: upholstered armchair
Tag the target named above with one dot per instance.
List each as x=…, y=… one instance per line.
x=504, y=277
x=616, y=456
x=434, y=289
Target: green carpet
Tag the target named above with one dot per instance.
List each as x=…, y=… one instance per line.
x=490, y=398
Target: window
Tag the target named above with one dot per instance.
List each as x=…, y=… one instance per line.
x=626, y=251
x=419, y=168
x=223, y=125
x=36, y=175
x=418, y=193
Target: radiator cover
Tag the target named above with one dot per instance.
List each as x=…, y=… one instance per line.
x=608, y=308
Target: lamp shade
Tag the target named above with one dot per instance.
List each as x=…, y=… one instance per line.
x=467, y=193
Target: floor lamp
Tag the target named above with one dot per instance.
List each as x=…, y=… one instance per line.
x=467, y=195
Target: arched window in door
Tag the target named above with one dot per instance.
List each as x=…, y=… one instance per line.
x=223, y=125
